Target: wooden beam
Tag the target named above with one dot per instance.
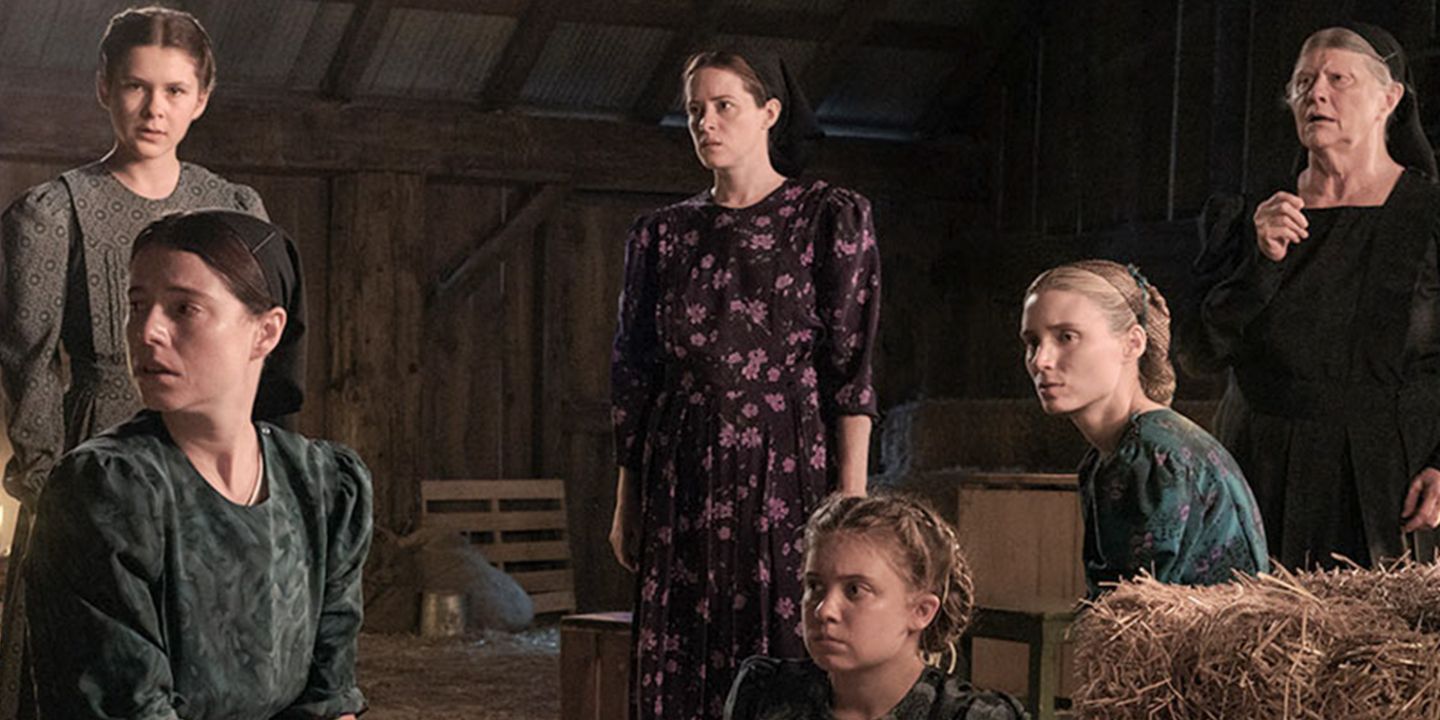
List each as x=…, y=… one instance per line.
x=998, y=28
x=289, y=134
x=461, y=281
x=521, y=54
x=375, y=314
x=357, y=48
x=839, y=46
x=664, y=82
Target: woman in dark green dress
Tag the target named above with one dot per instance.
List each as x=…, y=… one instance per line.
x=1331, y=321
x=1158, y=494
x=193, y=562
x=64, y=268
x=886, y=588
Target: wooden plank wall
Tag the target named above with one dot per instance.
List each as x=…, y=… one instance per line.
x=512, y=378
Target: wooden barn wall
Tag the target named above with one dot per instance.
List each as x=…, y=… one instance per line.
x=1107, y=125
x=508, y=376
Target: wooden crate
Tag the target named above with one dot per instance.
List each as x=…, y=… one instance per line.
x=520, y=526
x=1023, y=536
x=595, y=666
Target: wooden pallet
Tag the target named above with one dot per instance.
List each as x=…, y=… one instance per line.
x=520, y=526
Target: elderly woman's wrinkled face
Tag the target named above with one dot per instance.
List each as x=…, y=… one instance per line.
x=1338, y=101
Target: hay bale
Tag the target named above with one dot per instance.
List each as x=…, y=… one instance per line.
x=1343, y=644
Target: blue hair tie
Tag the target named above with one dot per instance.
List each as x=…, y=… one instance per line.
x=1144, y=286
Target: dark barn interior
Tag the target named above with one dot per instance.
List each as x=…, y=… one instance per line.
x=460, y=175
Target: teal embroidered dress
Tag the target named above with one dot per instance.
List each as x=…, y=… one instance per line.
x=1169, y=500
x=151, y=596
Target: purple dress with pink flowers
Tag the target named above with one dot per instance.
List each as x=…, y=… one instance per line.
x=743, y=334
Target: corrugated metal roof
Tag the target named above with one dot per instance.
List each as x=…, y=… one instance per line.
x=427, y=53
x=886, y=87
x=256, y=42
x=322, y=40
x=595, y=67
x=55, y=34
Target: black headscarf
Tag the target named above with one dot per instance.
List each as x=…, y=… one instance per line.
x=796, y=134
x=282, y=381
x=1405, y=137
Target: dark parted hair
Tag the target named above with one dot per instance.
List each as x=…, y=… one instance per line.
x=148, y=26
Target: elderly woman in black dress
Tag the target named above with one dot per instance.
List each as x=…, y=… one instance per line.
x=1331, y=321
x=742, y=388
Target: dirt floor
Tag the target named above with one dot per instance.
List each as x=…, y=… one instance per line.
x=495, y=676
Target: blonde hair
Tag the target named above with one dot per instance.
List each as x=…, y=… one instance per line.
x=923, y=549
x=1126, y=298
x=1338, y=38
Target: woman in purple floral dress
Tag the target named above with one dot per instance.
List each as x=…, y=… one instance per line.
x=742, y=388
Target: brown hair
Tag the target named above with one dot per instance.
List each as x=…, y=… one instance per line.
x=1118, y=290
x=222, y=249
x=147, y=26
x=925, y=552
x=733, y=62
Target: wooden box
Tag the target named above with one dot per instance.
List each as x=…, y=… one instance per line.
x=595, y=666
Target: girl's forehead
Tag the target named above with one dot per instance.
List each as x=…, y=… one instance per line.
x=872, y=554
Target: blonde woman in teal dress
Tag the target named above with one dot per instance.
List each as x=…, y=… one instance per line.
x=64, y=267
x=1158, y=493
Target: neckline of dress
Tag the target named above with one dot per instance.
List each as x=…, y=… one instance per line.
x=785, y=184
x=110, y=177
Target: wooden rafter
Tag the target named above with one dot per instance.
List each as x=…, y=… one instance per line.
x=839, y=46
x=461, y=281
x=664, y=81
x=1000, y=25
x=521, y=54
x=357, y=48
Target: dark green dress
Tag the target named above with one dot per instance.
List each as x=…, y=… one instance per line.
x=1169, y=500
x=774, y=689
x=152, y=596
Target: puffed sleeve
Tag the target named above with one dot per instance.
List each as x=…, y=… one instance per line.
x=93, y=578
x=1142, y=507
x=1234, y=302
x=248, y=201
x=753, y=685
x=35, y=237
x=847, y=298
x=635, y=364
x=331, y=690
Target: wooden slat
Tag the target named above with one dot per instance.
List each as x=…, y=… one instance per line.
x=553, y=602
x=519, y=229
x=492, y=489
x=500, y=521
x=540, y=581
x=506, y=552
x=521, y=54
x=357, y=48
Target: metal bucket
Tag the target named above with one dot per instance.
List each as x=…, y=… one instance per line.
x=442, y=613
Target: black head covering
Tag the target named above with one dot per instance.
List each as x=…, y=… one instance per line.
x=796, y=133
x=1405, y=137
x=282, y=382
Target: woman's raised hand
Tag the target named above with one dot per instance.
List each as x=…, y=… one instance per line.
x=1278, y=223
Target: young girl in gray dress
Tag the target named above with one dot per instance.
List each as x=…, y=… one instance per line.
x=64, y=255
